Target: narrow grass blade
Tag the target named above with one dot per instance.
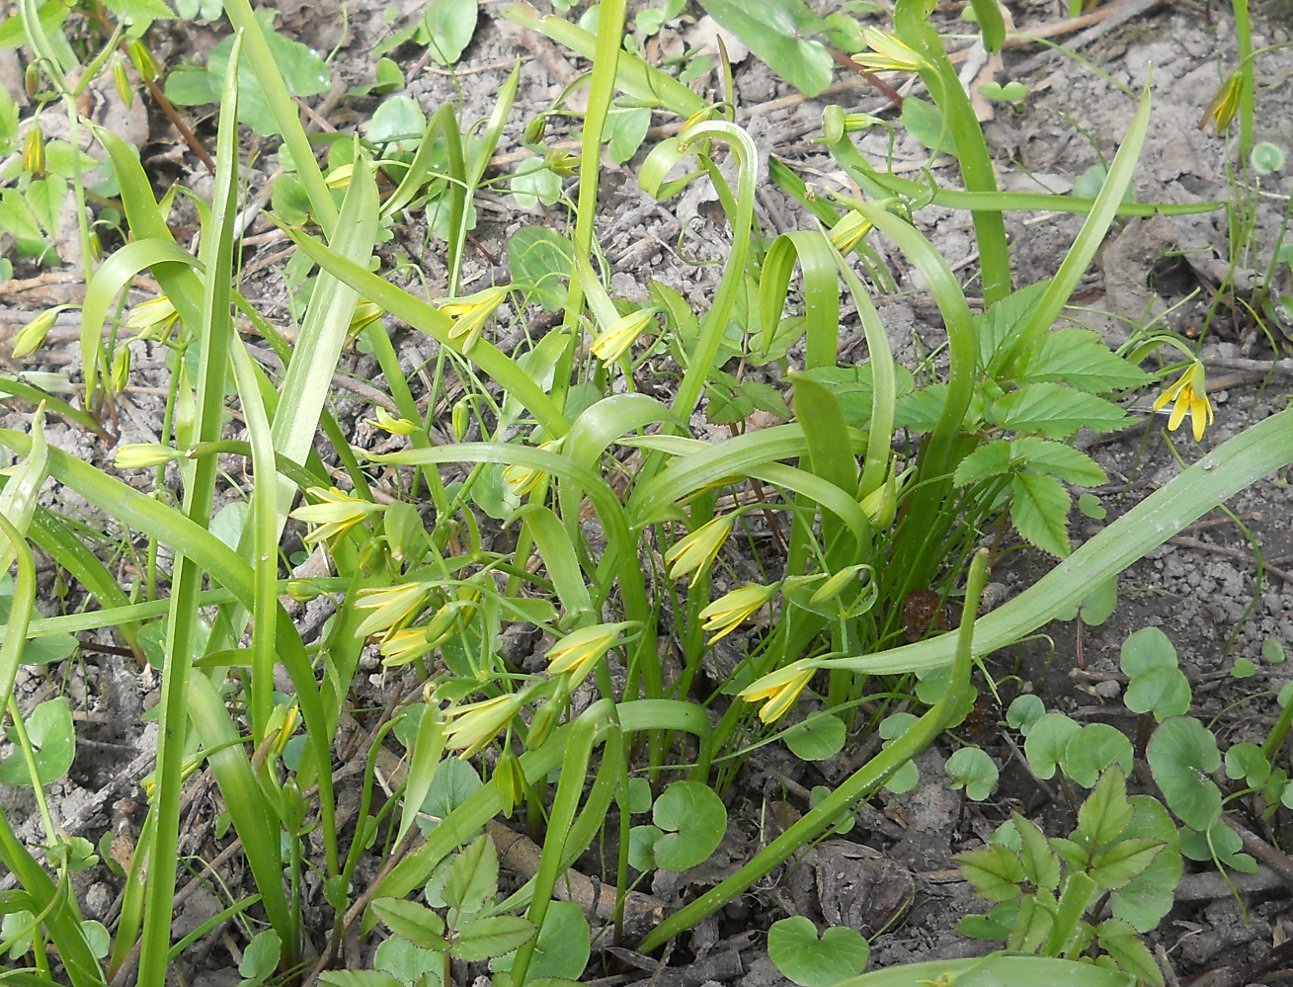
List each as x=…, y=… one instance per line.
x=286, y=115
x=1061, y=287
x=634, y=77
x=213, y=363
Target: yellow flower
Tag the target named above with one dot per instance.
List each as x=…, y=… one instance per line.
x=34, y=332
x=1221, y=111
x=470, y=313
x=473, y=726
x=887, y=53
x=610, y=345
x=142, y=455
x=393, y=607
x=849, y=231
x=1188, y=393
x=153, y=319
x=334, y=515
x=777, y=691
x=731, y=610
x=365, y=314
x=390, y=424
x=580, y=650
x=405, y=645
x=523, y=479
x=696, y=552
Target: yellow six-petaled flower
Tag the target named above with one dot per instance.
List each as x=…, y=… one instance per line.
x=1189, y=394
x=777, y=691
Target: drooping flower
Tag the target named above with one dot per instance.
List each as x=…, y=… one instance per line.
x=777, y=691
x=334, y=514
x=142, y=455
x=1189, y=394
x=887, y=54
x=731, y=610
x=473, y=726
x=579, y=651
x=388, y=423
x=696, y=552
x=619, y=336
x=405, y=645
x=1221, y=111
x=523, y=479
x=393, y=607
x=470, y=314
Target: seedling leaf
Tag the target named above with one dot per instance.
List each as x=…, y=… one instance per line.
x=694, y=820
x=972, y=769
x=811, y=962
x=1096, y=748
x=53, y=739
x=1182, y=754
x=816, y=738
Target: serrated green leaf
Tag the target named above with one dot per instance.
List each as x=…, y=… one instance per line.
x=1124, y=861
x=1039, y=455
x=486, y=937
x=1055, y=411
x=1039, y=510
x=1082, y=359
x=1147, y=898
x=1106, y=812
x=473, y=877
x=995, y=871
x=1041, y=866
x=1002, y=318
x=1122, y=942
x=989, y=460
x=412, y=921
x=778, y=32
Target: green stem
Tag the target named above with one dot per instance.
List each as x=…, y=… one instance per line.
x=911, y=19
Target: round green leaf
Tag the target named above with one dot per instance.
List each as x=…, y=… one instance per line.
x=399, y=122
x=1267, y=158
x=1182, y=755
x=1163, y=691
x=261, y=955
x=53, y=738
x=1148, y=648
x=811, y=962
x=540, y=259
x=562, y=948
x=693, y=819
x=1273, y=651
x=972, y=769
x=816, y=738
x=1046, y=742
x=1024, y=711
x=1095, y=748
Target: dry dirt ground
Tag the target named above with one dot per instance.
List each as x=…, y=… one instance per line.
x=1205, y=588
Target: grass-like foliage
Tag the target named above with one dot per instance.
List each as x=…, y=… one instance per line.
x=881, y=492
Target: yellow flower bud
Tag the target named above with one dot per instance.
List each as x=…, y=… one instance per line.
x=143, y=455
x=696, y=552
